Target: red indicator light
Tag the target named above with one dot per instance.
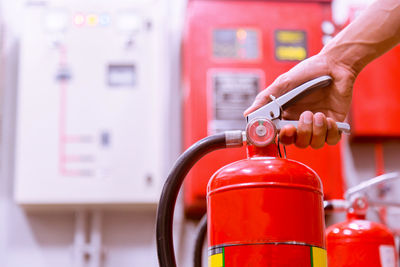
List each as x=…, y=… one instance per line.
x=79, y=19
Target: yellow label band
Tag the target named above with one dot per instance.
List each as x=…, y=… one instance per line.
x=318, y=257
x=216, y=260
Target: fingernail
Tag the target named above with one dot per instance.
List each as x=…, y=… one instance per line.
x=319, y=120
x=307, y=118
x=329, y=125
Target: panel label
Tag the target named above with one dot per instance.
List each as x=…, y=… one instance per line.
x=232, y=93
x=387, y=254
x=290, y=45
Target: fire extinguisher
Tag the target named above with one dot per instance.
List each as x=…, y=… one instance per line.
x=263, y=210
x=358, y=242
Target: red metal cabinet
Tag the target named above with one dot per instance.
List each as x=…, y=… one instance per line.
x=376, y=99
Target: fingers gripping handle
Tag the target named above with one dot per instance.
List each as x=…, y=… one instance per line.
x=261, y=131
x=342, y=126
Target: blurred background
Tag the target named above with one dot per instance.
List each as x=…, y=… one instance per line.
x=98, y=98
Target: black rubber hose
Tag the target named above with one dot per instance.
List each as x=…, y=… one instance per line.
x=166, y=207
x=200, y=237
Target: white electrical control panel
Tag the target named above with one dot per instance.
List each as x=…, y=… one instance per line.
x=92, y=103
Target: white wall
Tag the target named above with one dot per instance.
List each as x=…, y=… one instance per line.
x=45, y=239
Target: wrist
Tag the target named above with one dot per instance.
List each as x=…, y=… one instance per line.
x=344, y=55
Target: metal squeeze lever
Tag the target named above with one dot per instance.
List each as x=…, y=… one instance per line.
x=273, y=109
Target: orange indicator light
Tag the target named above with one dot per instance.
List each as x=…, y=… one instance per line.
x=241, y=34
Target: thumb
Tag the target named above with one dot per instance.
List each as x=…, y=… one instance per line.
x=277, y=88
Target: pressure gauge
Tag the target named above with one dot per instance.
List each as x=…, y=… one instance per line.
x=260, y=132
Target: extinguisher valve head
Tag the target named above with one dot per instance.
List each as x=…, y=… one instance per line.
x=358, y=205
x=260, y=132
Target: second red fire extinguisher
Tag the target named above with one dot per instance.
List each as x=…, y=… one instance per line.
x=357, y=242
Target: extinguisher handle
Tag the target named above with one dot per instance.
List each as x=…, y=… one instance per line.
x=371, y=182
x=353, y=195
x=279, y=124
x=273, y=109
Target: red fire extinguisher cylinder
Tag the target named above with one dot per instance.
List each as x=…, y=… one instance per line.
x=265, y=211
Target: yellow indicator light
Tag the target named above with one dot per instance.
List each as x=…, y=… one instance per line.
x=79, y=19
x=92, y=20
x=290, y=36
x=241, y=34
x=291, y=53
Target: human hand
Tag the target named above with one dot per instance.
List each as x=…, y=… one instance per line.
x=324, y=107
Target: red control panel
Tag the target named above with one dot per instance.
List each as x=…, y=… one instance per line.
x=231, y=51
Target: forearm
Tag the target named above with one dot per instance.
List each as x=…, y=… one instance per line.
x=373, y=33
